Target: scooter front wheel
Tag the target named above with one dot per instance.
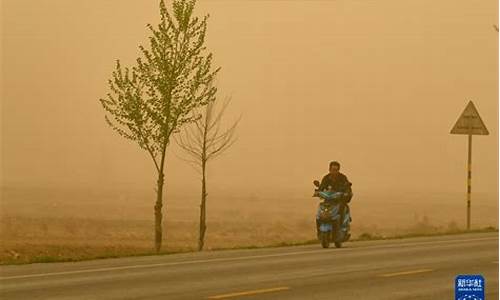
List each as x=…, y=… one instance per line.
x=324, y=237
x=338, y=244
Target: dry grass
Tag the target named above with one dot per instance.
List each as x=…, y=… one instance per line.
x=49, y=239
x=31, y=240
x=41, y=226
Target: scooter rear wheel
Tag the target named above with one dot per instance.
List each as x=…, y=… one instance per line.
x=338, y=244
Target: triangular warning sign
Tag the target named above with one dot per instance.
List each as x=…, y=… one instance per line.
x=470, y=122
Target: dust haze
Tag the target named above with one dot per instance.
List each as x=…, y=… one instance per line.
x=376, y=85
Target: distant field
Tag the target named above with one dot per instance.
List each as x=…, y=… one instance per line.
x=48, y=225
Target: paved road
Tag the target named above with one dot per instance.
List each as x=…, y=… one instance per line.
x=416, y=268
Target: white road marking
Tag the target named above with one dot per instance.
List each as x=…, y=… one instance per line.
x=233, y=259
x=406, y=272
x=250, y=293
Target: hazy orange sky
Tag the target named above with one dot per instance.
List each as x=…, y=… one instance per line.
x=376, y=85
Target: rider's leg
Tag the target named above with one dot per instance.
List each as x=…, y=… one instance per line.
x=342, y=212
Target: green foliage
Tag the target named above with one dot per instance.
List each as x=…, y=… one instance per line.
x=154, y=98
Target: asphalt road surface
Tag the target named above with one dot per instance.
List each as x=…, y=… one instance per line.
x=416, y=268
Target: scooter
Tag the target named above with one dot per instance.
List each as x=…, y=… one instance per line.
x=331, y=228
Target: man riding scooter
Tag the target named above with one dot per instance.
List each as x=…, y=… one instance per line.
x=336, y=182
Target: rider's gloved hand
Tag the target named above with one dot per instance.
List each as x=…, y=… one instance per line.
x=347, y=197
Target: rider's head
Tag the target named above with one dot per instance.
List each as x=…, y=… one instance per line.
x=334, y=167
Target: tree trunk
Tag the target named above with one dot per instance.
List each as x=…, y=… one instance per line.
x=203, y=226
x=157, y=211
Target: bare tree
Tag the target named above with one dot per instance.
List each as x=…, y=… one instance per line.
x=153, y=99
x=203, y=141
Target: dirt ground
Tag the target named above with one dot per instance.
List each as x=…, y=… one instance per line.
x=50, y=224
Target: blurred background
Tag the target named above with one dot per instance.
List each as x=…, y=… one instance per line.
x=375, y=85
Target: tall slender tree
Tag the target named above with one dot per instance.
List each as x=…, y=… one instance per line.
x=203, y=141
x=154, y=98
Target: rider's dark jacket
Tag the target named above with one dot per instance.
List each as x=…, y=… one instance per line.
x=338, y=184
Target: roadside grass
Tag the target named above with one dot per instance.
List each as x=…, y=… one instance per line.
x=47, y=253
x=371, y=237
x=368, y=237
x=66, y=225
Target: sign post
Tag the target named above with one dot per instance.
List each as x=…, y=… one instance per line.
x=469, y=123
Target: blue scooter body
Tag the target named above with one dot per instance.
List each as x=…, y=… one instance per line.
x=328, y=214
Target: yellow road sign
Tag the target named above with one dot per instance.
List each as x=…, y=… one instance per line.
x=470, y=122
